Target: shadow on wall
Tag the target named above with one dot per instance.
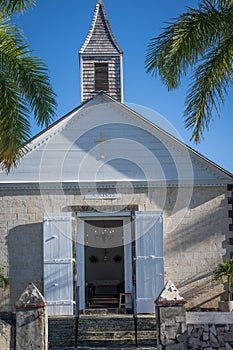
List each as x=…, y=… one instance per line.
x=196, y=247
x=25, y=251
x=201, y=292
x=195, y=252
x=191, y=198
x=206, y=233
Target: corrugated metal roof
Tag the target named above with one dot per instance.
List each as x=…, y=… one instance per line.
x=100, y=39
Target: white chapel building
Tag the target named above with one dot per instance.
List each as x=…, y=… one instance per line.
x=105, y=202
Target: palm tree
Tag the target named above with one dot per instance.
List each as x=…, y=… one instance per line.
x=11, y=6
x=224, y=273
x=24, y=88
x=200, y=40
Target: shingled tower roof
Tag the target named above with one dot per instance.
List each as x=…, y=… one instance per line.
x=101, y=59
x=100, y=38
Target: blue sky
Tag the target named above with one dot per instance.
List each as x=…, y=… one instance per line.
x=56, y=30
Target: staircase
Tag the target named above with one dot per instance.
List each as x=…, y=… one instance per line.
x=102, y=331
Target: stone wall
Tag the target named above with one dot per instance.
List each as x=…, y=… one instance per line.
x=194, y=235
x=171, y=327
x=7, y=331
x=210, y=331
x=196, y=245
x=180, y=330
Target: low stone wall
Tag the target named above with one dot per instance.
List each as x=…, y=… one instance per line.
x=171, y=327
x=210, y=330
x=205, y=330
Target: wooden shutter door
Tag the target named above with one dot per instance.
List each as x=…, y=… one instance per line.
x=127, y=255
x=149, y=259
x=58, y=263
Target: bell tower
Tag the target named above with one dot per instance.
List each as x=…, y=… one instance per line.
x=101, y=59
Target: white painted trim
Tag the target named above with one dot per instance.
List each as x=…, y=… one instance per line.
x=20, y=185
x=100, y=54
x=104, y=215
x=128, y=255
x=80, y=263
x=122, y=79
x=80, y=248
x=149, y=213
x=81, y=76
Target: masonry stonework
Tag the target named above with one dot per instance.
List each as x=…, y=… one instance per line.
x=194, y=236
x=7, y=331
x=210, y=331
x=31, y=320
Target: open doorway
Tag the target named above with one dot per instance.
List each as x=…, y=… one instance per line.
x=104, y=262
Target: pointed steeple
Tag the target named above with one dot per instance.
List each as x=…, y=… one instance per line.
x=100, y=38
x=101, y=59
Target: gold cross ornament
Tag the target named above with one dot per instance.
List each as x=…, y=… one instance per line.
x=102, y=140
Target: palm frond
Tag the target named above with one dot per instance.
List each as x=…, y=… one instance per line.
x=34, y=81
x=224, y=4
x=224, y=271
x=24, y=89
x=14, y=124
x=181, y=44
x=9, y=7
x=211, y=83
x=199, y=40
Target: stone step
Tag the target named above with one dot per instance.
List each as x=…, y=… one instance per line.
x=100, y=338
x=101, y=325
x=89, y=348
x=115, y=344
x=108, y=344
x=115, y=335
x=101, y=311
x=116, y=331
x=146, y=322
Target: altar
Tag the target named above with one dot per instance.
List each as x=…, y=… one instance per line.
x=103, y=293
x=104, y=287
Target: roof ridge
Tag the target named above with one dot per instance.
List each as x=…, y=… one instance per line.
x=100, y=6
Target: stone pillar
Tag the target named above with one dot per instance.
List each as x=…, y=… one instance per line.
x=7, y=331
x=31, y=320
x=171, y=319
